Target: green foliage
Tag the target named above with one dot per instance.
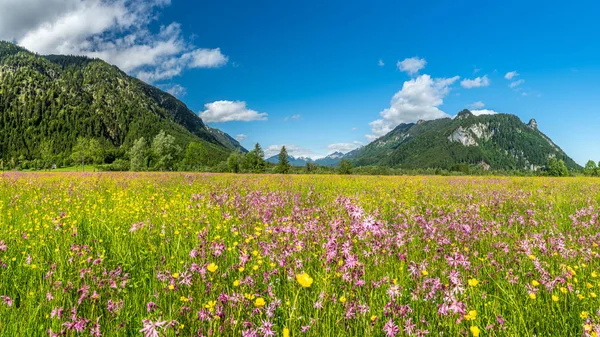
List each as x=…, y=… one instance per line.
x=590, y=169
x=196, y=157
x=284, y=163
x=164, y=151
x=345, y=167
x=557, y=168
x=87, y=149
x=254, y=160
x=234, y=162
x=139, y=155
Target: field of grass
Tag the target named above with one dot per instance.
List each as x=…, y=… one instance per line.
x=249, y=255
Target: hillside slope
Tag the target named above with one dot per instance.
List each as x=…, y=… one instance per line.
x=50, y=101
x=499, y=141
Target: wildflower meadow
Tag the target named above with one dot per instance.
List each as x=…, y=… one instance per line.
x=177, y=254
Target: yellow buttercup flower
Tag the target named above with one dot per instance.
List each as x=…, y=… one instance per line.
x=555, y=298
x=210, y=305
x=475, y=331
x=212, y=267
x=259, y=302
x=473, y=282
x=584, y=314
x=175, y=275
x=471, y=315
x=535, y=283
x=424, y=272
x=532, y=296
x=304, y=279
x=373, y=318
x=236, y=283
x=286, y=332
x=343, y=299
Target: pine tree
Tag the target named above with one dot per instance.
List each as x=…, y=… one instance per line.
x=284, y=163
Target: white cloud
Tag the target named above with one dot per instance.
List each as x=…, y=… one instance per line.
x=294, y=117
x=477, y=105
x=476, y=82
x=117, y=31
x=516, y=83
x=419, y=99
x=344, y=147
x=484, y=112
x=206, y=58
x=411, y=65
x=371, y=138
x=354, y=129
x=292, y=150
x=380, y=63
x=228, y=111
x=509, y=75
x=241, y=137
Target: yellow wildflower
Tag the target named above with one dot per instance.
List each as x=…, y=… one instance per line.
x=555, y=298
x=259, y=302
x=471, y=315
x=473, y=282
x=475, y=331
x=304, y=279
x=212, y=267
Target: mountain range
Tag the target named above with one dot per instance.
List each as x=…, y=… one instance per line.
x=47, y=102
x=331, y=160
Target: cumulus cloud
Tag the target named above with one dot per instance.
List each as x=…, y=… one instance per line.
x=477, y=105
x=476, y=82
x=411, y=65
x=344, y=147
x=483, y=112
x=292, y=150
x=515, y=84
x=241, y=137
x=117, y=31
x=380, y=63
x=509, y=75
x=228, y=111
x=419, y=99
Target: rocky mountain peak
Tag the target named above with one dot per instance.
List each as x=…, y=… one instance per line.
x=464, y=114
x=532, y=124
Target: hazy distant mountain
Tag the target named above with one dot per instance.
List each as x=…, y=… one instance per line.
x=498, y=141
x=330, y=160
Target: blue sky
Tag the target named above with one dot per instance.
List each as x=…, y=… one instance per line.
x=316, y=75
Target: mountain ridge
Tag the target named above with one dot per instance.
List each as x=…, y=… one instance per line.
x=55, y=99
x=497, y=141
